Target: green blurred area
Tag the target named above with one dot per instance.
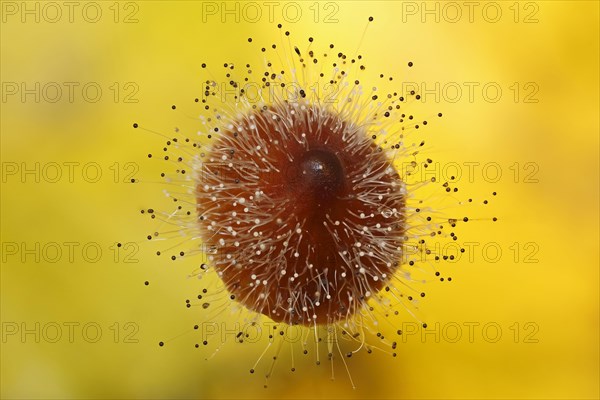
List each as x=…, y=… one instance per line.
x=144, y=56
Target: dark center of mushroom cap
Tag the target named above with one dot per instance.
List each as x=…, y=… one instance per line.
x=321, y=177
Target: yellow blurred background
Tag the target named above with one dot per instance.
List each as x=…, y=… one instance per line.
x=75, y=76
